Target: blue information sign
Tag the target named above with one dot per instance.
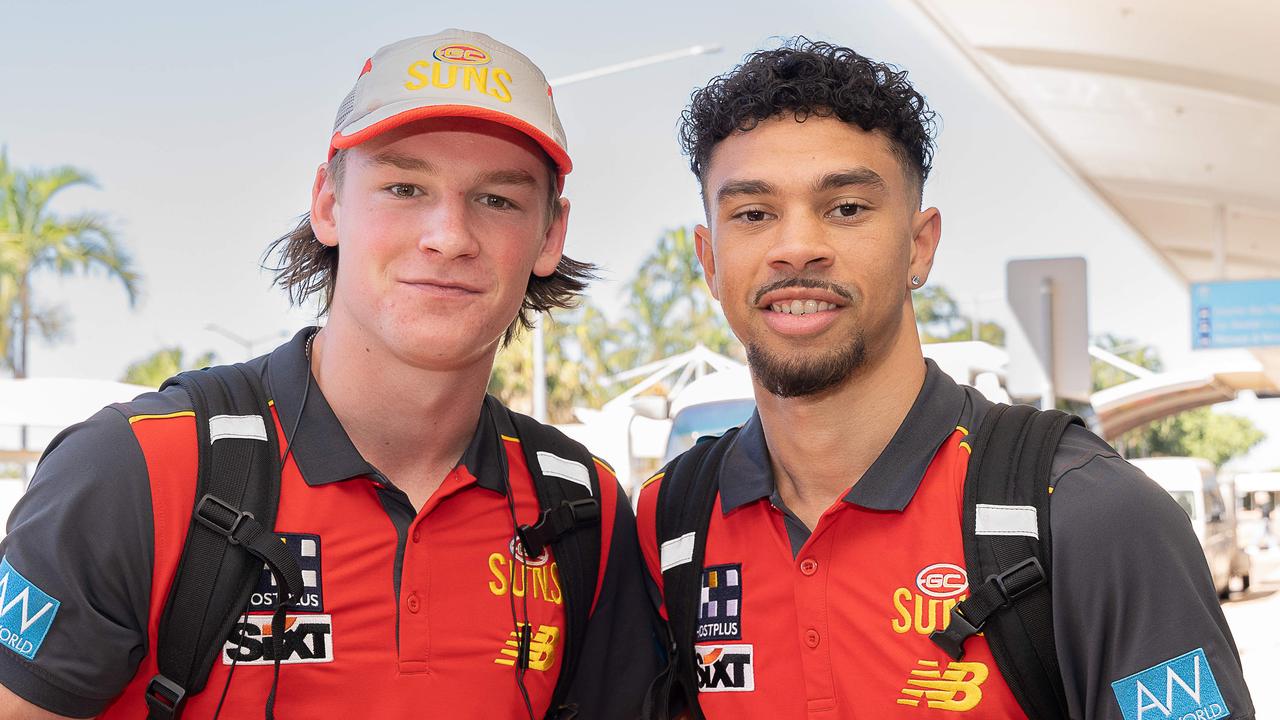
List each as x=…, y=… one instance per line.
x=1235, y=314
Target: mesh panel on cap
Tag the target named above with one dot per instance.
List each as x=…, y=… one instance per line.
x=344, y=110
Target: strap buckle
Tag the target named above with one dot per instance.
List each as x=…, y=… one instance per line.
x=164, y=695
x=555, y=522
x=233, y=516
x=951, y=639
x=1002, y=580
x=961, y=628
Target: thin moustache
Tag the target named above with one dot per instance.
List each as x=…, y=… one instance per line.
x=802, y=282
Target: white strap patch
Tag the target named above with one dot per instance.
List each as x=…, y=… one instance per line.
x=245, y=427
x=678, y=551
x=1007, y=520
x=572, y=471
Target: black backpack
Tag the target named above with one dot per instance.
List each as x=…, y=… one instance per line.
x=1006, y=541
x=230, y=538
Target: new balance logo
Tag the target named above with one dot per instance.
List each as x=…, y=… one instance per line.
x=26, y=612
x=1183, y=687
x=957, y=687
x=542, y=648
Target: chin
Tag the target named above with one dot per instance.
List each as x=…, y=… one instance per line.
x=804, y=373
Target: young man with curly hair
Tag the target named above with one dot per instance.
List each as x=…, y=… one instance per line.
x=436, y=227
x=834, y=547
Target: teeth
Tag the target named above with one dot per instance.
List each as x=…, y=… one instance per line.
x=801, y=307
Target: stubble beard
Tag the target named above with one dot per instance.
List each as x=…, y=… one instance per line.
x=800, y=377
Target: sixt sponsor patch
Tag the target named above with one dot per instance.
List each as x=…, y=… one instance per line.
x=1179, y=688
x=306, y=549
x=725, y=668
x=307, y=639
x=26, y=612
x=720, y=606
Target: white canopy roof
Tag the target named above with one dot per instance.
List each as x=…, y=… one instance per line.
x=1168, y=109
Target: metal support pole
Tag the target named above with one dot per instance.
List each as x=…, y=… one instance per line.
x=539, y=370
x=1220, y=241
x=1047, y=399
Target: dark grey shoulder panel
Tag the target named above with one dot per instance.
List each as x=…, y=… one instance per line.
x=83, y=534
x=1131, y=588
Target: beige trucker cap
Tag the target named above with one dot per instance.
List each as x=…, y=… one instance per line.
x=454, y=73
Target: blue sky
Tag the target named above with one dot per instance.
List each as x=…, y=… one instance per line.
x=203, y=127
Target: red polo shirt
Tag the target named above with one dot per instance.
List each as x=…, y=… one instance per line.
x=405, y=612
x=835, y=623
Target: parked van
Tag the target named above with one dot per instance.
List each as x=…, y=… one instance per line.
x=1193, y=484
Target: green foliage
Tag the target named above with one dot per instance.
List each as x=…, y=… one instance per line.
x=669, y=310
x=1201, y=433
x=940, y=319
x=162, y=365
x=34, y=239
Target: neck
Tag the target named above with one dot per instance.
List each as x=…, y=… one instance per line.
x=821, y=445
x=411, y=423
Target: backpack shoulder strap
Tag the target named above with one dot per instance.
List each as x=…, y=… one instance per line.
x=686, y=499
x=229, y=538
x=1007, y=543
x=568, y=488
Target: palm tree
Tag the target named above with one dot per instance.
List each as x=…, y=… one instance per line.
x=161, y=365
x=33, y=238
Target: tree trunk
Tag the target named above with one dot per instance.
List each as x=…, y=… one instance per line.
x=24, y=325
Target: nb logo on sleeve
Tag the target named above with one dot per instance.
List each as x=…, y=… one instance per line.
x=1179, y=688
x=26, y=612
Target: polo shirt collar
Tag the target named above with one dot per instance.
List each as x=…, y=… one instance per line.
x=746, y=474
x=323, y=451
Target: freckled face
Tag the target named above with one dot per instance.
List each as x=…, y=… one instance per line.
x=439, y=225
x=809, y=247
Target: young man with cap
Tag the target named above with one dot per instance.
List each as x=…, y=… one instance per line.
x=832, y=545
x=435, y=227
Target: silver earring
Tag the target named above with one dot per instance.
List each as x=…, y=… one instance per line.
x=915, y=280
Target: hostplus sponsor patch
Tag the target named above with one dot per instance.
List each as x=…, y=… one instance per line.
x=720, y=605
x=306, y=549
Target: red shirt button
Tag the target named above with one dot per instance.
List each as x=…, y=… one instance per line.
x=417, y=535
x=808, y=566
x=811, y=638
x=412, y=602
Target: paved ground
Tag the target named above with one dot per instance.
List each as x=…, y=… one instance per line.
x=1255, y=622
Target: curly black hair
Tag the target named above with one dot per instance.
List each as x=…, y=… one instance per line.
x=805, y=78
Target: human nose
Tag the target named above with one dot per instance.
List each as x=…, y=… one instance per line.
x=447, y=231
x=801, y=245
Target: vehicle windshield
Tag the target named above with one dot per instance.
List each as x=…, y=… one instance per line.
x=712, y=418
x=1186, y=500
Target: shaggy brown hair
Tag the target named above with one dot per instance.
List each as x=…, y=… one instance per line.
x=305, y=266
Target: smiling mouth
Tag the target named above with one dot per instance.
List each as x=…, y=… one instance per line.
x=802, y=307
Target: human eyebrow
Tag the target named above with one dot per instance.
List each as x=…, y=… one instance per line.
x=855, y=177
x=507, y=177
x=734, y=188
x=403, y=162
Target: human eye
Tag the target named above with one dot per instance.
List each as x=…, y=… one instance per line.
x=404, y=190
x=751, y=215
x=846, y=209
x=497, y=202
